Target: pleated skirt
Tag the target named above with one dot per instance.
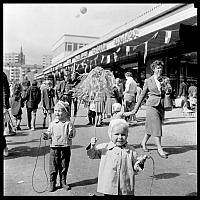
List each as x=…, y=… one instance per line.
x=154, y=117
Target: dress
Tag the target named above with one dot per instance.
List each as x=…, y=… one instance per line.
x=154, y=104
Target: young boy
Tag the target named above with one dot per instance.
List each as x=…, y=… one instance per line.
x=119, y=162
x=60, y=132
x=91, y=111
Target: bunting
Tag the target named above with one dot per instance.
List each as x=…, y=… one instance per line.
x=167, y=36
x=145, y=51
x=108, y=59
x=127, y=50
x=102, y=58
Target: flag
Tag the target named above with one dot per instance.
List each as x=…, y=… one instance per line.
x=86, y=67
x=134, y=47
x=127, y=50
x=118, y=50
x=108, y=59
x=95, y=60
x=167, y=36
x=115, y=56
x=102, y=58
x=145, y=50
x=155, y=36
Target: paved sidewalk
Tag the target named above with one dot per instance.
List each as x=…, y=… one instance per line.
x=175, y=176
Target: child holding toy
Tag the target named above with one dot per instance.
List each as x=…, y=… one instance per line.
x=119, y=161
x=60, y=132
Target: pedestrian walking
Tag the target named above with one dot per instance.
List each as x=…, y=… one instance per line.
x=99, y=105
x=183, y=91
x=48, y=102
x=111, y=98
x=119, y=161
x=91, y=110
x=60, y=132
x=64, y=90
x=120, y=88
x=156, y=87
x=32, y=98
x=130, y=94
x=6, y=106
x=16, y=104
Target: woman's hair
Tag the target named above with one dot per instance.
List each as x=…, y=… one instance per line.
x=156, y=63
x=129, y=74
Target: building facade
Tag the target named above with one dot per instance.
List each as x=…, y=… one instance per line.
x=67, y=44
x=162, y=33
x=14, y=57
x=46, y=60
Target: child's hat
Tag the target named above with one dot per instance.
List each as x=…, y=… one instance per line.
x=63, y=104
x=116, y=107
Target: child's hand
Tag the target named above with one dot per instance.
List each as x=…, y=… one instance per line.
x=139, y=165
x=93, y=141
x=45, y=136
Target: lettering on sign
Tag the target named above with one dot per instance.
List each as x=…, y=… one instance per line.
x=78, y=57
x=100, y=48
x=126, y=37
x=84, y=54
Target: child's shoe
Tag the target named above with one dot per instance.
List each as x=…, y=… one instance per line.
x=65, y=185
x=52, y=187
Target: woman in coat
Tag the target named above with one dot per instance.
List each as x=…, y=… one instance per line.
x=48, y=102
x=156, y=87
x=32, y=98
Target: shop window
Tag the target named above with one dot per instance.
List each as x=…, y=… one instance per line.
x=68, y=46
x=75, y=46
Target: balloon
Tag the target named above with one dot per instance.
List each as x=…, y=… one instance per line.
x=83, y=10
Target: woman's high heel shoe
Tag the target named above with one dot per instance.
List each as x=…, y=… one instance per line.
x=165, y=156
x=144, y=149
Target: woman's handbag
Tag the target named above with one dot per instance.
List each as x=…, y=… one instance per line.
x=168, y=103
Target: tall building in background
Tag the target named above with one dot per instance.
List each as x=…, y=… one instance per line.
x=12, y=63
x=67, y=44
x=14, y=57
x=46, y=60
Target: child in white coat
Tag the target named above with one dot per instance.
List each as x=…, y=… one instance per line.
x=119, y=161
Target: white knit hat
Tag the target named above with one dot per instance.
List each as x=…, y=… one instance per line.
x=116, y=122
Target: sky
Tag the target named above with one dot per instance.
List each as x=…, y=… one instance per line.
x=37, y=27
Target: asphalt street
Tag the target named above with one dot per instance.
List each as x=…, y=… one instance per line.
x=26, y=167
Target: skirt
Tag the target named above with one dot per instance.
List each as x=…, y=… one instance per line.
x=154, y=117
x=100, y=106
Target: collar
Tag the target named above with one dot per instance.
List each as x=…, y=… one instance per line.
x=57, y=120
x=111, y=145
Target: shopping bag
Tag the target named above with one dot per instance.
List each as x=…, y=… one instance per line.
x=168, y=103
x=178, y=102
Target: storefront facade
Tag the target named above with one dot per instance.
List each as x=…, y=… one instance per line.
x=135, y=45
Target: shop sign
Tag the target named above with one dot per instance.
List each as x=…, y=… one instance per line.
x=78, y=57
x=84, y=54
x=126, y=37
x=100, y=48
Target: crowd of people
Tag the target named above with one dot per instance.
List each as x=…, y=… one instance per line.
x=120, y=105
